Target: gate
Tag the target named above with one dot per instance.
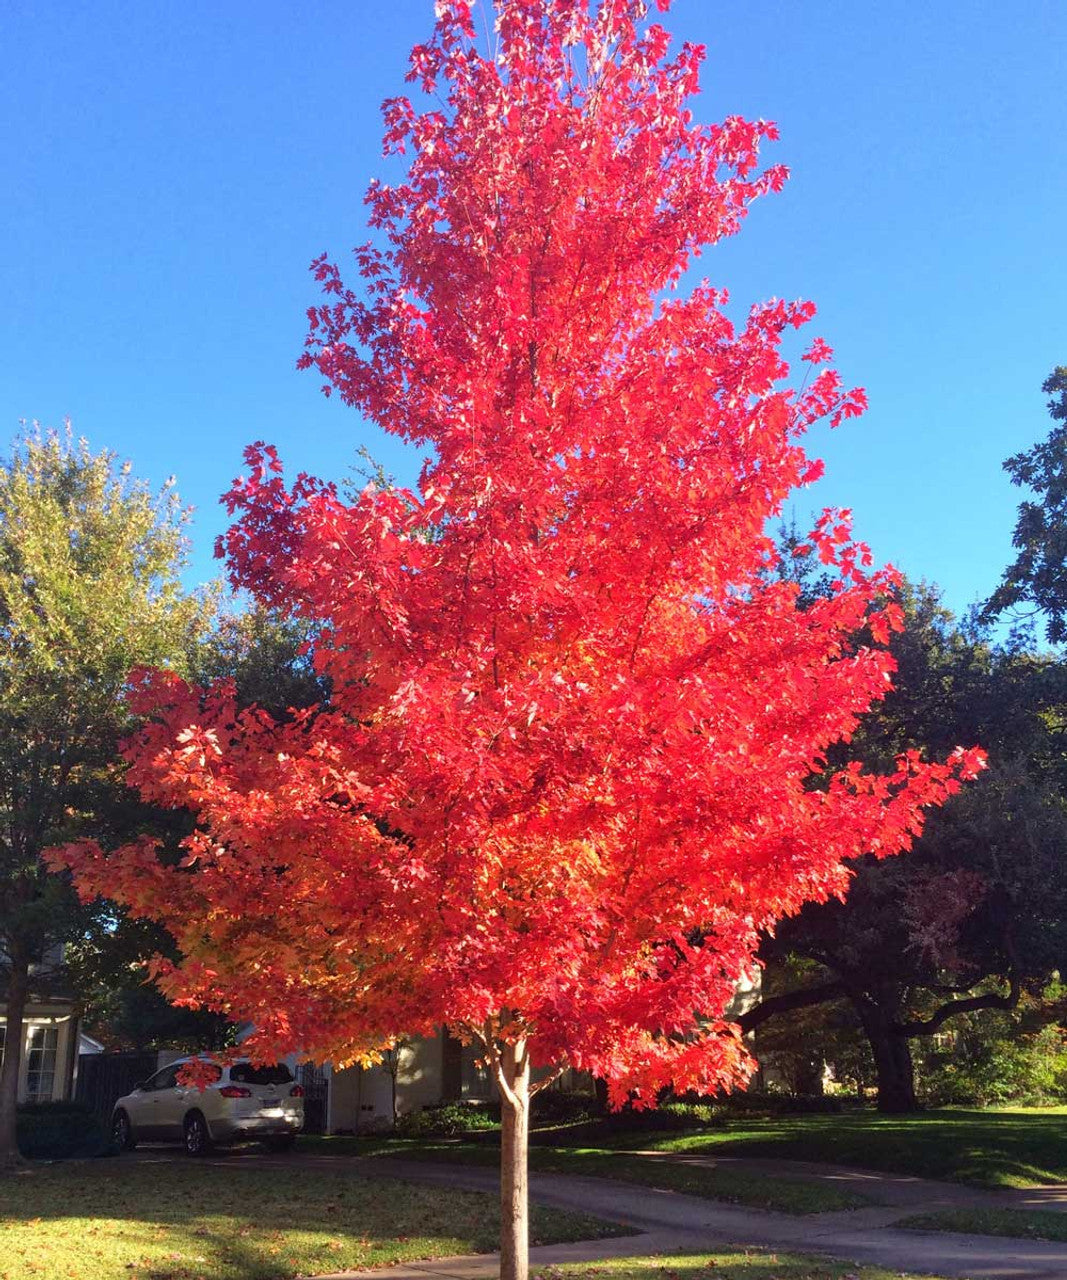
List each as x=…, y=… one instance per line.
x=103, y=1078
x=316, y=1085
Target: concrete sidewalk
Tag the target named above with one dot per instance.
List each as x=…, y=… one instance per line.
x=674, y=1221
x=668, y=1221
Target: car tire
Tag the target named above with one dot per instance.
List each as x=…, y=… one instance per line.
x=281, y=1142
x=122, y=1132
x=195, y=1133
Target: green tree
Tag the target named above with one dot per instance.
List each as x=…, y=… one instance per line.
x=976, y=913
x=266, y=658
x=89, y=588
x=1038, y=575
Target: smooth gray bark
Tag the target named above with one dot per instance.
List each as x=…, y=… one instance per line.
x=514, y=1144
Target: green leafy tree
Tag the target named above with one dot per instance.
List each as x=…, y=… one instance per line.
x=976, y=914
x=795, y=1050
x=992, y=1057
x=1038, y=576
x=89, y=588
x=265, y=656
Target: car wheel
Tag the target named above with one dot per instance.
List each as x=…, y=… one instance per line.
x=281, y=1142
x=197, y=1138
x=122, y=1132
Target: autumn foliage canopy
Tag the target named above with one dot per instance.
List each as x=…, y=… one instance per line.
x=574, y=757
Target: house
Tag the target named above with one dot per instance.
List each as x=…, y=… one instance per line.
x=426, y=1072
x=423, y=1073
x=50, y=1037
x=418, y=1073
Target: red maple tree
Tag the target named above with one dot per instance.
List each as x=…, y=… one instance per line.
x=565, y=773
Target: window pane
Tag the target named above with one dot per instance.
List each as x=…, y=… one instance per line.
x=41, y=1045
x=245, y=1073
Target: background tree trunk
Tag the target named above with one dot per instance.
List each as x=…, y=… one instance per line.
x=892, y=1059
x=514, y=1142
x=17, y=991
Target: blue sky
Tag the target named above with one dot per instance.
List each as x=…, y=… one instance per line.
x=171, y=169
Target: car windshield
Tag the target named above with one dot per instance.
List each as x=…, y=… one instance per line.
x=245, y=1073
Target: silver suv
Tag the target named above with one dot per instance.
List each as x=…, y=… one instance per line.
x=243, y=1102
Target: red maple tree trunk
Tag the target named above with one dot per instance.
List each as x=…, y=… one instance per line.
x=514, y=1144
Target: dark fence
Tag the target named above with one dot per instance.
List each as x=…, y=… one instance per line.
x=316, y=1088
x=103, y=1078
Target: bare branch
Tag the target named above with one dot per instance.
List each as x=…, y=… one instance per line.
x=953, y=1009
x=802, y=999
x=550, y=1079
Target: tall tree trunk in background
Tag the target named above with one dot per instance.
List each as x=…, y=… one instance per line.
x=17, y=993
x=514, y=1143
x=892, y=1058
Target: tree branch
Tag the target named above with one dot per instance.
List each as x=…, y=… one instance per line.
x=801, y=999
x=550, y=1079
x=953, y=1008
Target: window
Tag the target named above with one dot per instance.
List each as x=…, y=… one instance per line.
x=157, y=1081
x=3, y=1042
x=165, y=1077
x=475, y=1075
x=245, y=1073
x=41, y=1046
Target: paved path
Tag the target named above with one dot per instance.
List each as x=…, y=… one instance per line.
x=915, y=1194
x=671, y=1221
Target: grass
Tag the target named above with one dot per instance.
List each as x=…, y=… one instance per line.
x=1006, y=1148
x=166, y=1221
x=733, y=1264
x=732, y=1185
x=1012, y=1147
x=1021, y=1224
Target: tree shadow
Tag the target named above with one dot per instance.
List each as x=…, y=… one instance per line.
x=171, y=1219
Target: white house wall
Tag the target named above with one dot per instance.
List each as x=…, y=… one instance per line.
x=45, y=1016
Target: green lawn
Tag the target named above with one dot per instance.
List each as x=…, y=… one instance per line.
x=1018, y=1147
x=732, y=1185
x=1020, y=1224
x=1009, y=1148
x=734, y=1264
x=103, y=1219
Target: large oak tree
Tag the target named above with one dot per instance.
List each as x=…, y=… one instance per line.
x=976, y=915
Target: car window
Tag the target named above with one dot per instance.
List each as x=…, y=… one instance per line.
x=159, y=1080
x=209, y=1072
x=245, y=1073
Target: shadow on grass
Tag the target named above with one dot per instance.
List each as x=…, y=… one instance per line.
x=175, y=1221
x=733, y=1185
x=1010, y=1148
x=981, y=1148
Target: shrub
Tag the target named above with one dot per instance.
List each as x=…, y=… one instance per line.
x=672, y=1114
x=61, y=1131
x=451, y=1120
x=991, y=1061
x=562, y=1106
